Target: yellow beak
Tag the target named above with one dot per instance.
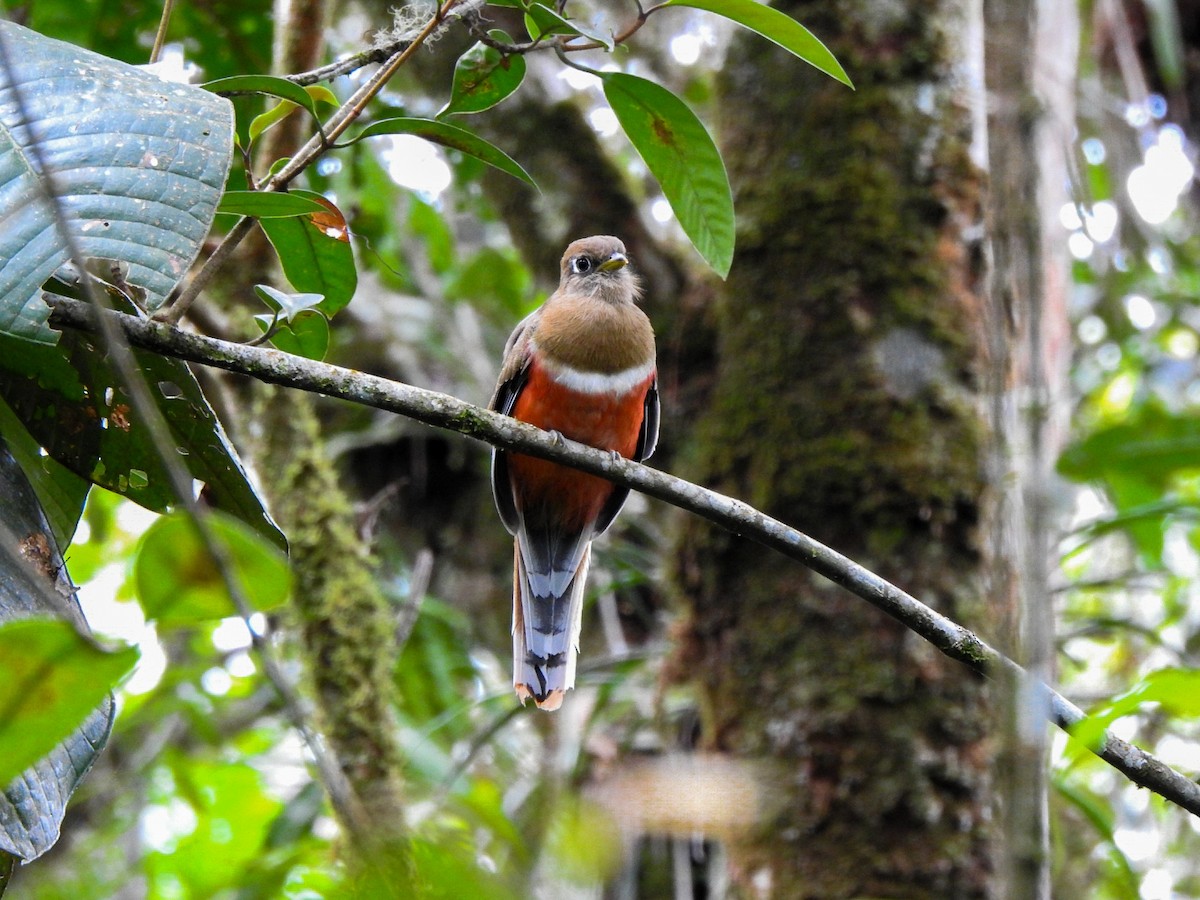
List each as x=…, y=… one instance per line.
x=614, y=262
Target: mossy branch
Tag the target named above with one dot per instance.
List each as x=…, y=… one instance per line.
x=444, y=411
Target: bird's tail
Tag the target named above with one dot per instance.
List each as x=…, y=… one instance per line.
x=546, y=635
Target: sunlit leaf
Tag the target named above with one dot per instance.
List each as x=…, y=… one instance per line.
x=234, y=811
x=285, y=108
x=1136, y=461
x=452, y=872
x=451, y=136
x=53, y=679
x=683, y=158
x=483, y=76
x=776, y=27
x=1176, y=691
x=272, y=117
x=584, y=842
x=179, y=583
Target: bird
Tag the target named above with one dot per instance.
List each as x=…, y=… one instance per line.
x=582, y=365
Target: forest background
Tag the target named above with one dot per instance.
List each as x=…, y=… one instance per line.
x=955, y=340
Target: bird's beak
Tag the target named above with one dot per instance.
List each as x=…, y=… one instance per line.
x=614, y=262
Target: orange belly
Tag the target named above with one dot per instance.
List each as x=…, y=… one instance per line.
x=553, y=494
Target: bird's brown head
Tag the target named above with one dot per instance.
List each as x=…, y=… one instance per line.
x=598, y=267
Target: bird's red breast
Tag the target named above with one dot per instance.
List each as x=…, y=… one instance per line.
x=607, y=421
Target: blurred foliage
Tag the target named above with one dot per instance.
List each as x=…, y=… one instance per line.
x=1129, y=628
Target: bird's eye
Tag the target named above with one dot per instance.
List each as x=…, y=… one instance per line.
x=581, y=265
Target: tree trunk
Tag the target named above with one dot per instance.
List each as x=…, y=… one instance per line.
x=1029, y=54
x=849, y=401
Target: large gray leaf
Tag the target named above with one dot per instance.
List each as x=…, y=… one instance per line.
x=138, y=164
x=32, y=806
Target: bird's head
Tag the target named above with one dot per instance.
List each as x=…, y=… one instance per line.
x=598, y=267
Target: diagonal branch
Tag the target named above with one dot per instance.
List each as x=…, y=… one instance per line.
x=444, y=411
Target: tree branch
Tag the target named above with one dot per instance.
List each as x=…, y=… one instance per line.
x=443, y=411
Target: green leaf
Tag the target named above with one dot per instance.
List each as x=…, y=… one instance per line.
x=450, y=866
x=483, y=76
x=139, y=165
x=541, y=21
x=544, y=20
x=272, y=117
x=267, y=204
x=288, y=304
x=233, y=810
x=776, y=27
x=1176, y=690
x=449, y=136
x=680, y=154
x=322, y=94
x=315, y=253
x=53, y=679
x=73, y=404
x=178, y=583
x=264, y=84
x=307, y=334
x=60, y=491
x=1152, y=444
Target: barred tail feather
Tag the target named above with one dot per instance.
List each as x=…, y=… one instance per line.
x=546, y=635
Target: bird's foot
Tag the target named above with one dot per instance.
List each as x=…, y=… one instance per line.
x=557, y=437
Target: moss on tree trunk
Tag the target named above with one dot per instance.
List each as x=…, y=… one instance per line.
x=848, y=402
x=346, y=635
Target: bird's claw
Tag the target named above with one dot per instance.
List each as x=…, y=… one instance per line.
x=557, y=437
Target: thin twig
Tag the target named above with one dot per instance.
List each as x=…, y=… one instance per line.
x=349, y=64
x=161, y=37
x=444, y=411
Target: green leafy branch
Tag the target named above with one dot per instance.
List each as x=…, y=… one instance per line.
x=672, y=141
